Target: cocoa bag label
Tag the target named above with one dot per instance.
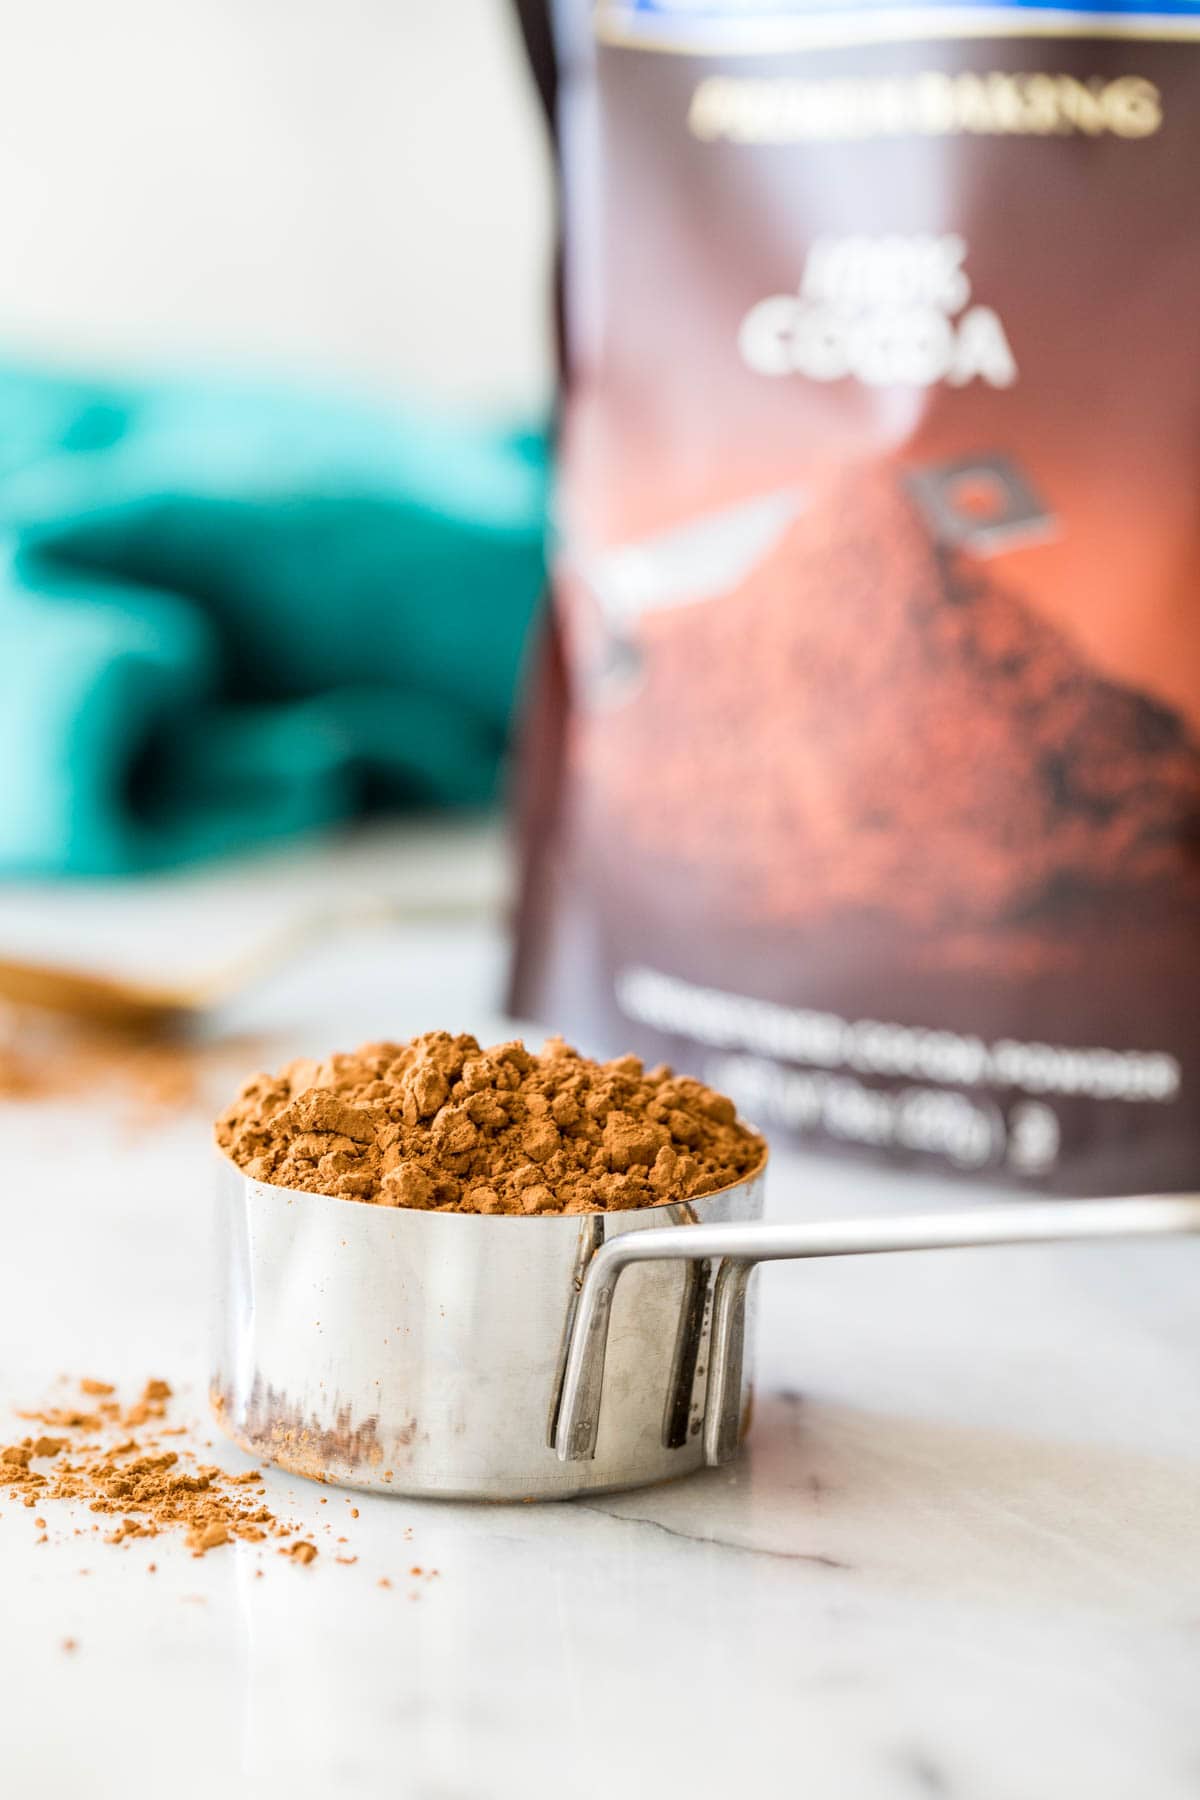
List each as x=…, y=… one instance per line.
x=887, y=311
x=864, y=774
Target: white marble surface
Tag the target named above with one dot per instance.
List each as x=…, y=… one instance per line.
x=960, y=1557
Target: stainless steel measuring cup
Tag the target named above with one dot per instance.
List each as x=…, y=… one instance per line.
x=501, y=1358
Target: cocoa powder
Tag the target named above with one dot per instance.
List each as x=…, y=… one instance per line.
x=138, y=1482
x=922, y=745
x=441, y=1124
x=148, y=1078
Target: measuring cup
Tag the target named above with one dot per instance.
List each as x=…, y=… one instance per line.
x=532, y=1358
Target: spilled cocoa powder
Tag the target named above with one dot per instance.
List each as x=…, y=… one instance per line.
x=87, y=1455
x=150, y=1078
x=441, y=1124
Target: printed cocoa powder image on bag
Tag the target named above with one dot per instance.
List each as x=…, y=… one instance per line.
x=863, y=775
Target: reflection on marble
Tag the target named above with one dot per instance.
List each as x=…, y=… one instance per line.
x=960, y=1557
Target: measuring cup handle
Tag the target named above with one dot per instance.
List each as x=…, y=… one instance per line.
x=738, y=1249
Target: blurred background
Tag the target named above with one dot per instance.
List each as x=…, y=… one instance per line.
x=358, y=192
x=275, y=375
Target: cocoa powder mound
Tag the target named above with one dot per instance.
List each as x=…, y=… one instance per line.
x=441, y=1124
x=881, y=728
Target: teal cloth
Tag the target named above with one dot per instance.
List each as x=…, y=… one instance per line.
x=231, y=614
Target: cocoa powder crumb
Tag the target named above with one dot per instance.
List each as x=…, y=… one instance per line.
x=440, y=1124
x=64, y=1418
x=144, y=1492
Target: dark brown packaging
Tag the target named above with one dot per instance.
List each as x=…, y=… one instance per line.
x=864, y=775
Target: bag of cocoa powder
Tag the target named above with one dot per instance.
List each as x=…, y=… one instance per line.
x=863, y=778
